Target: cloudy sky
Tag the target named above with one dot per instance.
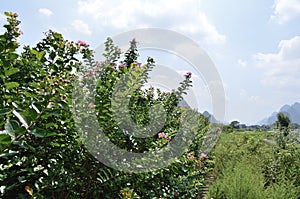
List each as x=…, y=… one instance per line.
x=254, y=44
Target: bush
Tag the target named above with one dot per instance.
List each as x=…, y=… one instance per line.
x=41, y=152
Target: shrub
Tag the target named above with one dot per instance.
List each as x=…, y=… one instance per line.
x=41, y=152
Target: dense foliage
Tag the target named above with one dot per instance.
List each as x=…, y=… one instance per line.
x=41, y=153
x=254, y=165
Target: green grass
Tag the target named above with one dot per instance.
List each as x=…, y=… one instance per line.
x=248, y=166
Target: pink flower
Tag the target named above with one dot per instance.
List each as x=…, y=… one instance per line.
x=92, y=106
x=161, y=135
x=219, y=129
x=82, y=43
x=188, y=74
x=116, y=94
x=203, y=155
x=21, y=32
x=137, y=64
x=167, y=93
x=121, y=66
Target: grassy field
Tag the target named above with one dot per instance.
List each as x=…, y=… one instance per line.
x=256, y=165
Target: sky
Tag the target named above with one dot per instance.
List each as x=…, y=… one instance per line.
x=254, y=44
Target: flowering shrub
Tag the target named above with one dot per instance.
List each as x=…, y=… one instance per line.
x=41, y=152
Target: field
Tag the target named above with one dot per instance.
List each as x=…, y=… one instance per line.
x=253, y=165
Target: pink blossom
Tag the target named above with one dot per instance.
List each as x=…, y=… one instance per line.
x=116, y=94
x=92, y=106
x=82, y=43
x=136, y=64
x=121, y=66
x=167, y=93
x=21, y=32
x=203, y=155
x=188, y=74
x=161, y=135
x=98, y=63
x=219, y=129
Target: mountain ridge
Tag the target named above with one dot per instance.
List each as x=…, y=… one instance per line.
x=292, y=111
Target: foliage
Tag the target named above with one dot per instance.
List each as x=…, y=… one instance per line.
x=242, y=180
x=41, y=153
x=283, y=122
x=262, y=160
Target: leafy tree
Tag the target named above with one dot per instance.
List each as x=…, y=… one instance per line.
x=283, y=122
x=41, y=152
x=234, y=124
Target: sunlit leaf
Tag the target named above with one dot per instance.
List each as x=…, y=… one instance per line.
x=10, y=85
x=11, y=71
x=10, y=130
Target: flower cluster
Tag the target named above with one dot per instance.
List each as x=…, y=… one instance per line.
x=121, y=66
x=188, y=74
x=203, y=156
x=92, y=106
x=82, y=43
x=163, y=135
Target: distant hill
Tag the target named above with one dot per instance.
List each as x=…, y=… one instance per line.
x=212, y=119
x=292, y=111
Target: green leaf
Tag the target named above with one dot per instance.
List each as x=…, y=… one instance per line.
x=34, y=52
x=4, y=111
x=12, y=56
x=40, y=133
x=11, y=85
x=30, y=114
x=11, y=71
x=10, y=130
x=21, y=118
x=41, y=55
x=5, y=139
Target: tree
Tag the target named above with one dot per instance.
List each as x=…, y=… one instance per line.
x=235, y=124
x=41, y=152
x=283, y=122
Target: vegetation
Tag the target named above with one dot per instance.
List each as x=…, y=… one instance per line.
x=44, y=149
x=254, y=165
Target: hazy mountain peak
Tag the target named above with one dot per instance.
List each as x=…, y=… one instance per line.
x=292, y=111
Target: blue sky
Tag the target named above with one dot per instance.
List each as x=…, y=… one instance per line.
x=254, y=44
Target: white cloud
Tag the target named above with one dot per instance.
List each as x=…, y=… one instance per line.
x=242, y=63
x=251, y=98
x=281, y=69
x=180, y=16
x=285, y=10
x=81, y=27
x=45, y=11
